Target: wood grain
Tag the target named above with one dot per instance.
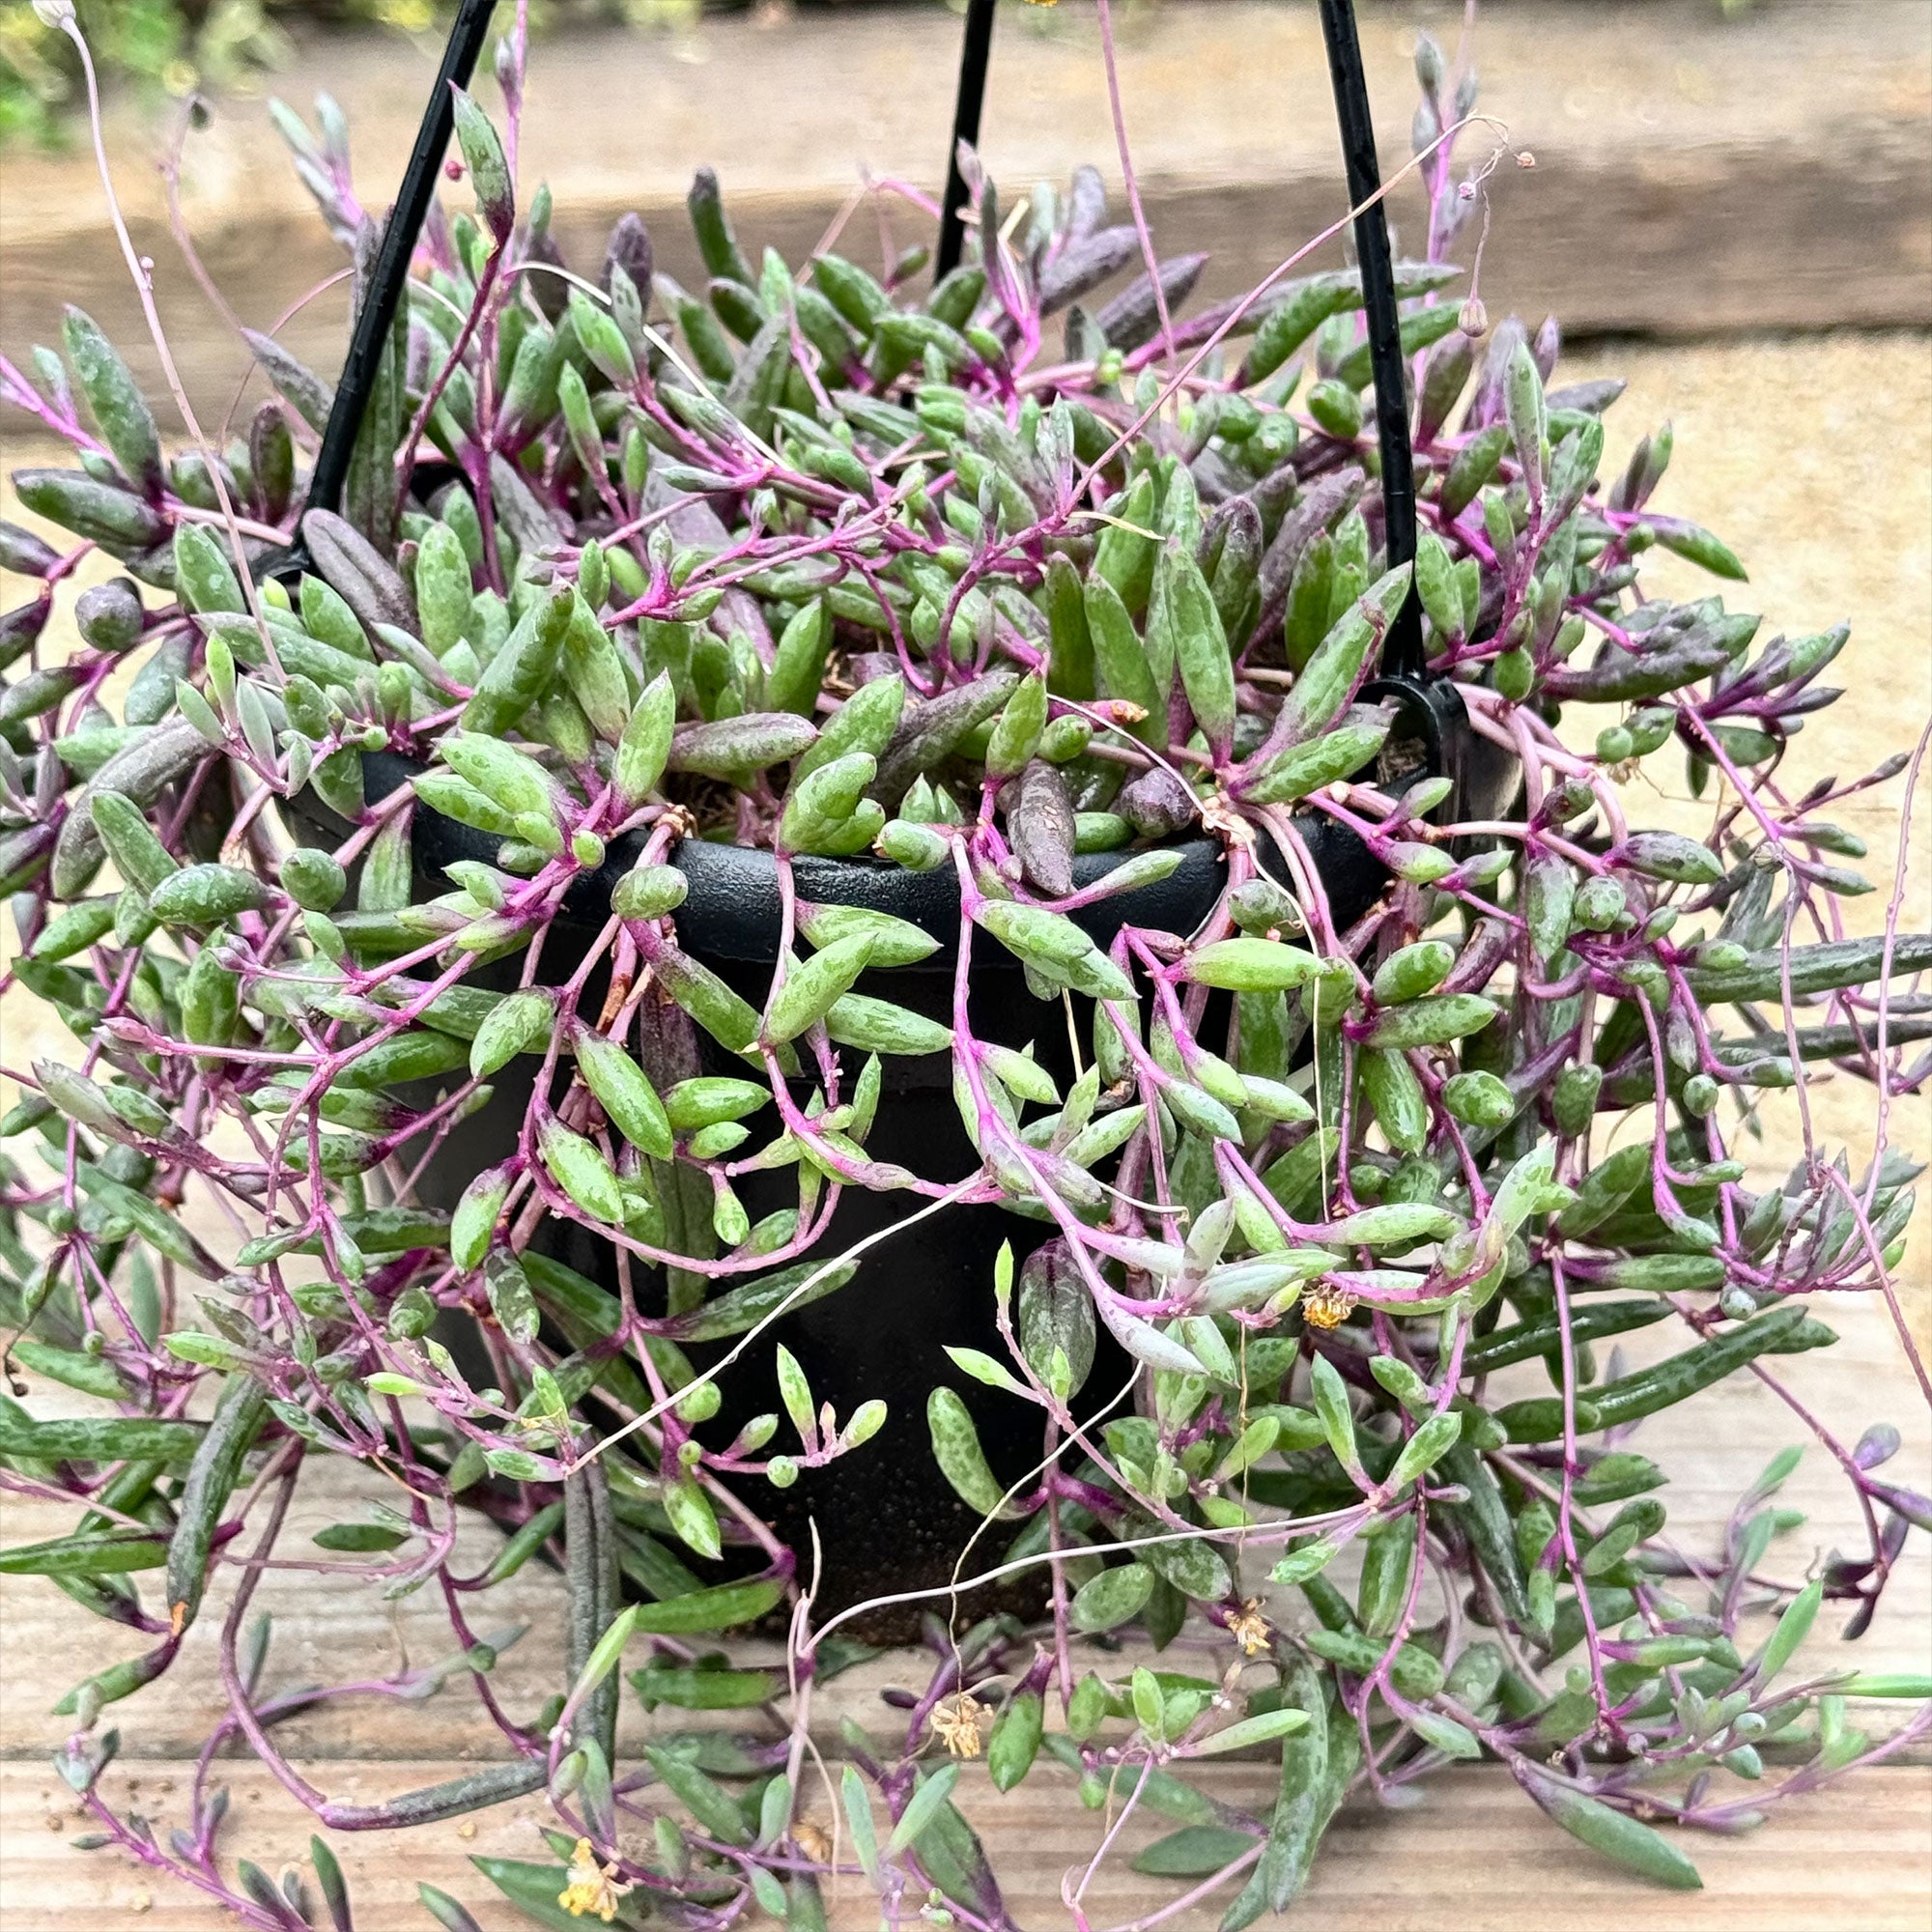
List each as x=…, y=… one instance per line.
x=1475, y=1857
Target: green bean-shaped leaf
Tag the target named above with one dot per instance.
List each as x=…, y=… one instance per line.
x=1246, y=964
x=475, y=1220
x=1017, y=1738
x=121, y=411
x=1053, y=943
x=1111, y=1598
x=206, y=896
x=1330, y=1394
x=489, y=170
x=1423, y=1450
x=579, y=1167
x=923, y=1809
x=212, y=1475
x=1625, y=1840
x=511, y=1300
x=514, y=1026
x=717, y=1608
x=955, y=1447
x=713, y=1807
x=1184, y=629
x=204, y=578
x=1434, y=1021
x=1121, y=659
x=1017, y=728
x=624, y=1091
x=84, y=1555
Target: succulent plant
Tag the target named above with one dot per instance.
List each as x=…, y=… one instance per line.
x=976, y=582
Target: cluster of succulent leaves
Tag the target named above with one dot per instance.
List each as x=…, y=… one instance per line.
x=811, y=562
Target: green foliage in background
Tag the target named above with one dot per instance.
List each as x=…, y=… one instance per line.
x=173, y=46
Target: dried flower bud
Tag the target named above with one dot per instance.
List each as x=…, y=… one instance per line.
x=1431, y=69
x=1156, y=804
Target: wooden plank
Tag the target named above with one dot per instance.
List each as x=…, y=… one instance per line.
x=1474, y=1857
x=1475, y=1848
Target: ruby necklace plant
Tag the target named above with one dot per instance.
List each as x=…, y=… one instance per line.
x=879, y=600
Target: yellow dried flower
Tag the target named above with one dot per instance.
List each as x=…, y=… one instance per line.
x=955, y=1724
x=1326, y=1307
x=591, y=1888
x=1250, y=1628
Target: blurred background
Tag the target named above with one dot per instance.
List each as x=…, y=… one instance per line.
x=1705, y=168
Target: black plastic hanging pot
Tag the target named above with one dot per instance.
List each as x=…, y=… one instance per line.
x=886, y=1521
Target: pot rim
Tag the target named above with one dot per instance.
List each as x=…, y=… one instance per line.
x=733, y=907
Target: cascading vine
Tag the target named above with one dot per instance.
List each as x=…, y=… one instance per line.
x=813, y=564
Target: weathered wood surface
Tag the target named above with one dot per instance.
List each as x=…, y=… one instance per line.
x=1475, y=1858
x=1496, y=1857
x=1695, y=173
